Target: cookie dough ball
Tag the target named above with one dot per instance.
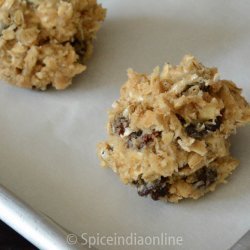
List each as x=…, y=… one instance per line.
x=46, y=42
x=168, y=132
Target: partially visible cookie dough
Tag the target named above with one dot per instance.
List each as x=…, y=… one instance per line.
x=46, y=42
x=168, y=132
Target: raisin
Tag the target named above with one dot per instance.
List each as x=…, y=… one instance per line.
x=206, y=176
x=79, y=46
x=160, y=191
x=148, y=138
x=204, y=87
x=157, y=189
x=193, y=132
x=120, y=124
x=156, y=134
x=132, y=136
x=214, y=127
x=135, y=135
x=144, y=140
x=181, y=119
x=186, y=88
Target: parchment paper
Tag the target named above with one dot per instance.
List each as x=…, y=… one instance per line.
x=48, y=140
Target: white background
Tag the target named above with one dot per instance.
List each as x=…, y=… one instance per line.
x=48, y=140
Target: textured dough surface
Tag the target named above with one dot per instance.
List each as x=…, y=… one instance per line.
x=168, y=132
x=46, y=42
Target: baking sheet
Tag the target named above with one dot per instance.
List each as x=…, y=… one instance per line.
x=48, y=140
